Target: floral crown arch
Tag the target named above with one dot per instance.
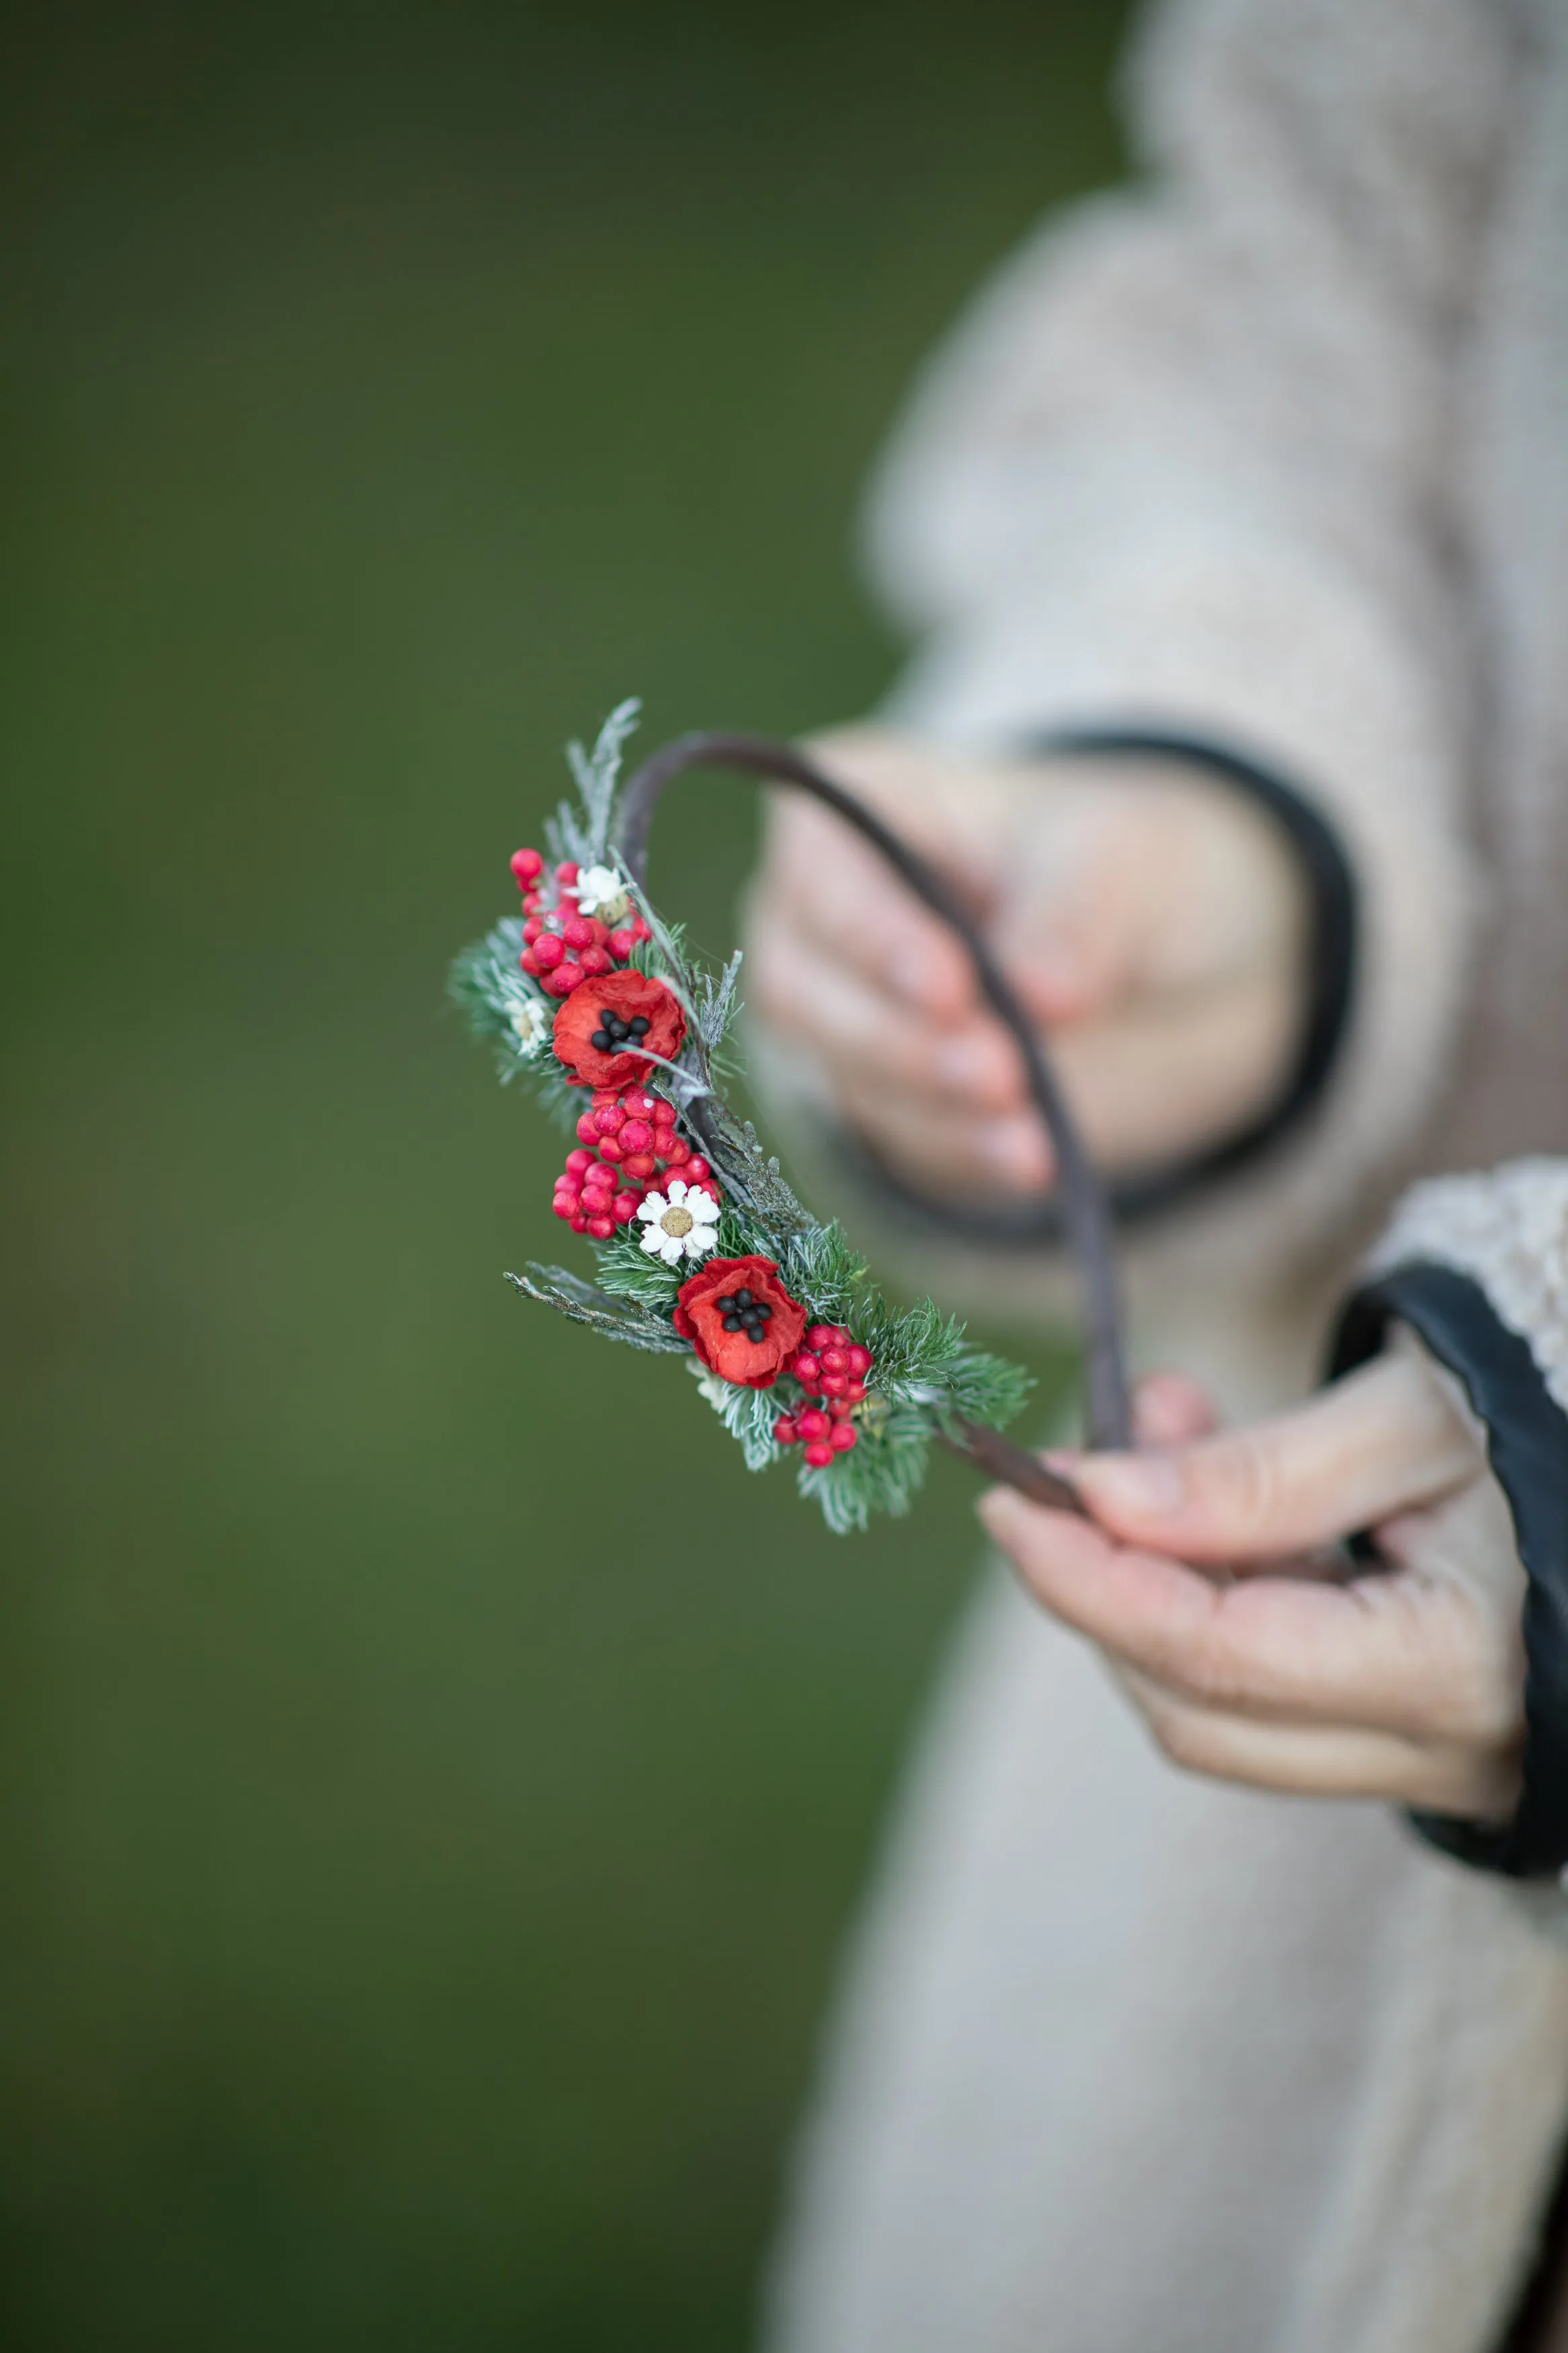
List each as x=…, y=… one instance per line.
x=703, y=1249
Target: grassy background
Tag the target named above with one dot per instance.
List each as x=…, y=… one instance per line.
x=426, y=1848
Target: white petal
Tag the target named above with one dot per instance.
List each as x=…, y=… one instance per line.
x=701, y=1204
x=701, y=1240
x=678, y=1188
x=671, y=1249
x=652, y=1206
x=595, y=884
x=653, y=1242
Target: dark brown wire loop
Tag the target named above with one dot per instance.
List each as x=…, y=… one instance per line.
x=1084, y=1202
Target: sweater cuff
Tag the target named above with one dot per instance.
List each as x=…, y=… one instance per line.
x=1507, y=1342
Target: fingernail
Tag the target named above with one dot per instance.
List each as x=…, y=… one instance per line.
x=997, y=1509
x=1012, y=1150
x=1147, y=1485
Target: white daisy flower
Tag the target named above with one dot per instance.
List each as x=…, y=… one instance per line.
x=532, y=1025
x=680, y=1222
x=600, y=891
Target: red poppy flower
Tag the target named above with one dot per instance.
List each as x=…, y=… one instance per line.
x=741, y=1320
x=604, y=1023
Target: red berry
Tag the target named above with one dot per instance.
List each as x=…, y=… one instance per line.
x=528, y=866
x=844, y=1436
x=860, y=1361
x=532, y=903
x=565, y=1205
x=834, y=1384
x=623, y=1207
x=532, y=930
x=620, y=945
x=639, y=1164
x=834, y=1360
x=840, y=1409
x=609, y=1119
x=578, y=1163
x=818, y=1455
x=636, y=1136
x=549, y=949
x=599, y=1179
x=578, y=1223
x=601, y=1228
x=672, y=1149
x=805, y=1368
x=855, y=1392
x=578, y=932
x=567, y=871
x=663, y=1110
x=595, y=960
x=586, y=1130
x=785, y=1432
x=812, y=1422
x=639, y=929
x=696, y=1169
x=564, y=979
x=637, y=1102
x=611, y=1146
x=531, y=965
x=820, y=1336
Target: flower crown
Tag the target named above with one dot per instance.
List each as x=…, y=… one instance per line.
x=702, y=1250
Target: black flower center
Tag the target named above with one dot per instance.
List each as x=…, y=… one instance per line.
x=613, y=1031
x=741, y=1313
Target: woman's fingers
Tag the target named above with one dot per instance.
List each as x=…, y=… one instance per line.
x=1328, y=1760
x=1399, y=1652
x=953, y=1148
x=841, y=894
x=850, y=908
x=863, y=1029
x=1384, y=1440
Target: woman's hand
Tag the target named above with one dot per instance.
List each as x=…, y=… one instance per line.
x=1255, y=1658
x=1151, y=919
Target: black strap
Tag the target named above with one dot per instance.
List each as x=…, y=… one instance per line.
x=1527, y=1442
x=1334, y=931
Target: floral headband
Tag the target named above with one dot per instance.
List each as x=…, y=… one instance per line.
x=702, y=1251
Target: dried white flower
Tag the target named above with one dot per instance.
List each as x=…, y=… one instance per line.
x=600, y=891
x=532, y=1025
x=682, y=1223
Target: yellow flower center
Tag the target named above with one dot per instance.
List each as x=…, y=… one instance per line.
x=677, y=1222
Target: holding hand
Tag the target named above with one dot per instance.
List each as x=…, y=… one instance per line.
x=1151, y=918
x=1252, y=1655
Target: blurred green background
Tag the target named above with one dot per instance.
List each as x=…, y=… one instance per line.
x=424, y=1857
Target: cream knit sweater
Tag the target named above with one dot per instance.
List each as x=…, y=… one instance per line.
x=1275, y=451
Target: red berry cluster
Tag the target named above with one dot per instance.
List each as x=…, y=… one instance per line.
x=629, y=1139
x=831, y=1366
x=561, y=948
